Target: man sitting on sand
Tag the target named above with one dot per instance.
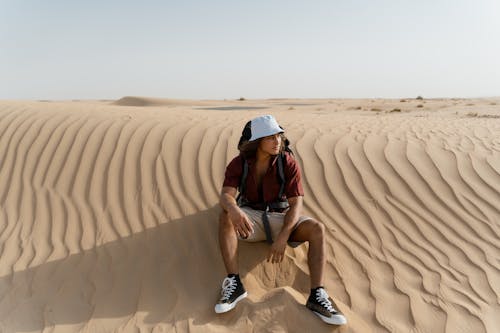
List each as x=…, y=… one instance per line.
x=269, y=208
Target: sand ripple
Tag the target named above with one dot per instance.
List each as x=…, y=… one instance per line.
x=108, y=218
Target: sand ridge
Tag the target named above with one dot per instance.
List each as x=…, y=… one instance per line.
x=108, y=215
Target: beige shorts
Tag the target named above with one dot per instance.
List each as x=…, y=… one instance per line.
x=276, y=221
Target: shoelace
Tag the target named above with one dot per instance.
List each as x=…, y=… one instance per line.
x=322, y=297
x=228, y=287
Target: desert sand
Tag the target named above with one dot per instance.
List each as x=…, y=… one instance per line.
x=108, y=215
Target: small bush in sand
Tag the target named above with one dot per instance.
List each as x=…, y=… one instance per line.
x=375, y=109
x=241, y=99
x=395, y=110
x=469, y=104
x=476, y=115
x=420, y=106
x=493, y=103
x=358, y=108
x=403, y=100
x=420, y=98
x=291, y=108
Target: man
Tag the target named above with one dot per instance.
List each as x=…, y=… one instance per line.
x=269, y=210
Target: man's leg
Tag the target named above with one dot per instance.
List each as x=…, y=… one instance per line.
x=313, y=232
x=319, y=302
x=232, y=289
x=228, y=242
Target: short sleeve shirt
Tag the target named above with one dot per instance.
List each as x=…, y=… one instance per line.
x=270, y=181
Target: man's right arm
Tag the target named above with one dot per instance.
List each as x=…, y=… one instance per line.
x=228, y=198
x=240, y=221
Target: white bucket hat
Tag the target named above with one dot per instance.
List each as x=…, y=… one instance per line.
x=264, y=126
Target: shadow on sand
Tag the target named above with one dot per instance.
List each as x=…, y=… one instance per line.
x=153, y=275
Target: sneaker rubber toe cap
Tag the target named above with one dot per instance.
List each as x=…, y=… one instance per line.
x=225, y=307
x=335, y=319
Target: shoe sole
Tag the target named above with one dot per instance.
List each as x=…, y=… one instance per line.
x=335, y=319
x=232, y=305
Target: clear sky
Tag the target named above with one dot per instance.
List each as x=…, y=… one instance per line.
x=67, y=49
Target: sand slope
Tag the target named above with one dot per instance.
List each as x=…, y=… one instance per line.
x=108, y=215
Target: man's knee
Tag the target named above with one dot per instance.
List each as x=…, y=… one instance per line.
x=317, y=230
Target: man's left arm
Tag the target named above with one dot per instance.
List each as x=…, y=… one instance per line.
x=292, y=215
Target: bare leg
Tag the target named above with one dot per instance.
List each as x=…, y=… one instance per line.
x=228, y=242
x=313, y=232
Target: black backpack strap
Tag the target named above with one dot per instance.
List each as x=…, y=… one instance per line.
x=267, y=227
x=277, y=205
x=281, y=174
x=243, y=181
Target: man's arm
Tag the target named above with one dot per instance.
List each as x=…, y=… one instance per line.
x=228, y=198
x=241, y=223
x=277, y=250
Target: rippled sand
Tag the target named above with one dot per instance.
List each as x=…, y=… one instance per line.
x=108, y=215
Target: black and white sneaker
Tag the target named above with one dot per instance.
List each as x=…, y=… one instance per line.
x=323, y=306
x=232, y=292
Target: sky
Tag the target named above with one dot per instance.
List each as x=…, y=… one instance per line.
x=224, y=49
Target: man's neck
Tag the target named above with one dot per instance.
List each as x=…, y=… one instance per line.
x=262, y=157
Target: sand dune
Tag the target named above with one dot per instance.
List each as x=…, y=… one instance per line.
x=108, y=215
x=149, y=101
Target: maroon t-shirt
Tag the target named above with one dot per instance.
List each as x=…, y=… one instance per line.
x=270, y=182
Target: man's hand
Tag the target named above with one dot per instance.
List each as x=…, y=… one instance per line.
x=277, y=250
x=241, y=223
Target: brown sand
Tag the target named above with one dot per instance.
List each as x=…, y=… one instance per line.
x=108, y=215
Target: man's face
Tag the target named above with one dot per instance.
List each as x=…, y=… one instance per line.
x=271, y=144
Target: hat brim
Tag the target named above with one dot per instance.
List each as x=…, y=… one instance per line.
x=263, y=135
